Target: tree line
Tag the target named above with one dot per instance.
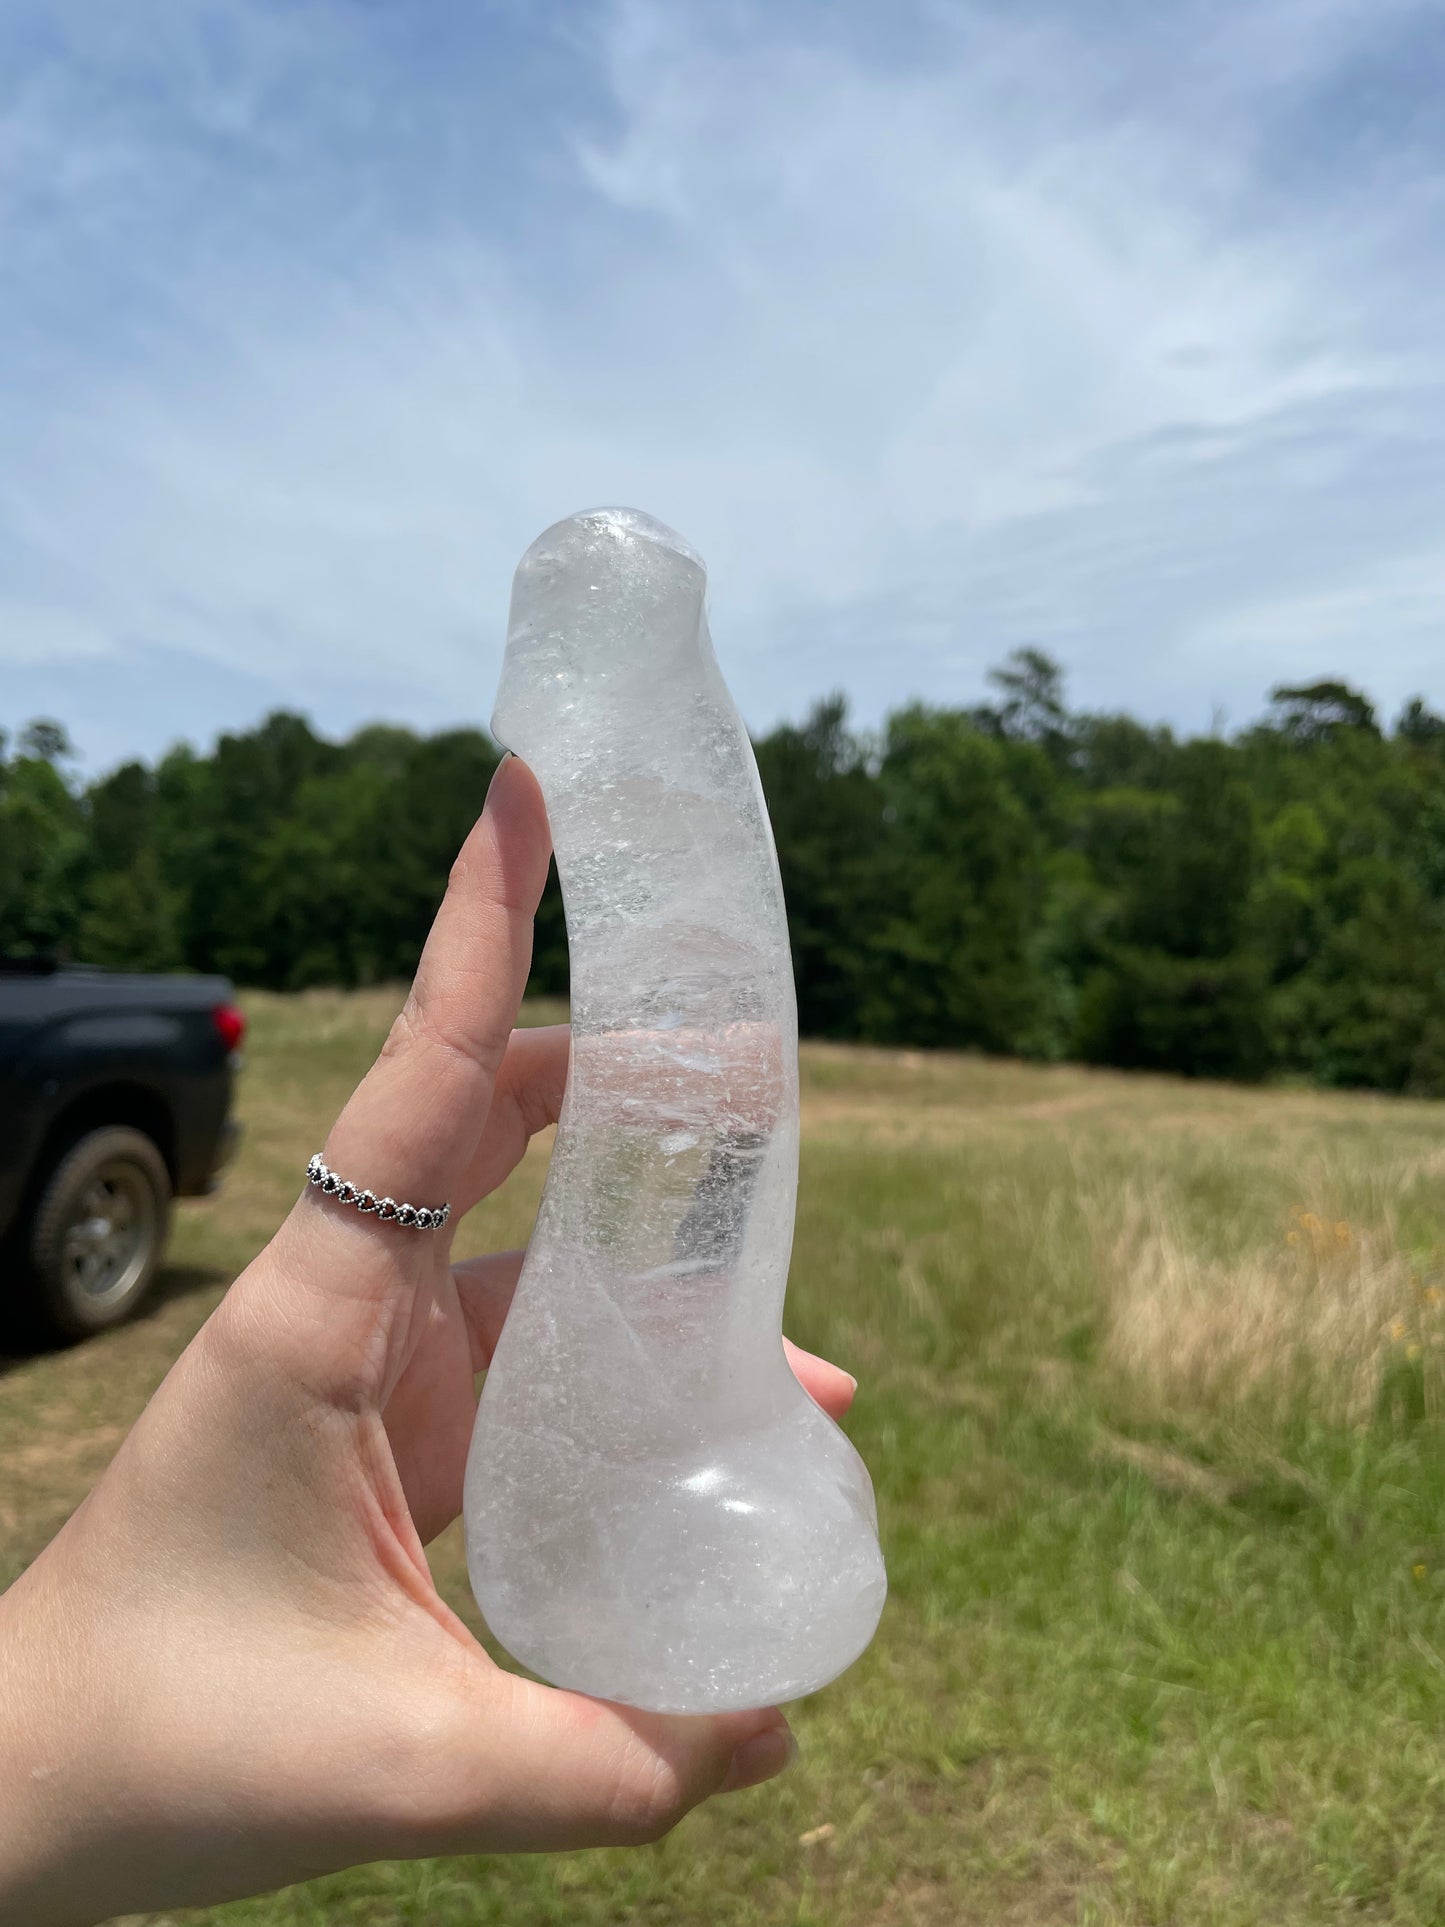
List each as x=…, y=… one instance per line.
x=1015, y=877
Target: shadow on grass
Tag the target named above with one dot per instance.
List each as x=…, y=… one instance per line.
x=179, y=1281
x=21, y=1344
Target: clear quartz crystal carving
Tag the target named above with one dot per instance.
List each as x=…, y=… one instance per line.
x=656, y=1512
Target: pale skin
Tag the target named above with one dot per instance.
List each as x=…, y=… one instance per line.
x=231, y=1669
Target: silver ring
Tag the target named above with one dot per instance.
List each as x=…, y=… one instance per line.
x=415, y=1217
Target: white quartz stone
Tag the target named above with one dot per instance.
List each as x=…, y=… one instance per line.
x=656, y=1512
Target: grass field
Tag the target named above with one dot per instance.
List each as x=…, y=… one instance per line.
x=1153, y=1392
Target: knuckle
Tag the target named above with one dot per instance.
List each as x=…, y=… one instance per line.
x=649, y=1799
x=404, y=1029
x=418, y=1029
x=462, y=871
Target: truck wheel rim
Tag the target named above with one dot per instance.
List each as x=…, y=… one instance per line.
x=111, y=1236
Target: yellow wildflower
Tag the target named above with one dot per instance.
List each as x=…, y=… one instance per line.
x=1419, y=1571
x=1397, y=1328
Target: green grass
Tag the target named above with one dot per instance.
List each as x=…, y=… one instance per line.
x=1151, y=1392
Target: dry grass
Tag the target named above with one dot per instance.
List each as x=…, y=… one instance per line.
x=1330, y=1317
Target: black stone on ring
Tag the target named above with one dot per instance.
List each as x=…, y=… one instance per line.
x=415, y=1217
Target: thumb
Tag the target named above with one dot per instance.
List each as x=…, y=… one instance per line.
x=549, y=1770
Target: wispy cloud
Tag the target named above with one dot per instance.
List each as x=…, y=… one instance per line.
x=998, y=325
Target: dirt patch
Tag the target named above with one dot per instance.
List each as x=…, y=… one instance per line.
x=1044, y=1899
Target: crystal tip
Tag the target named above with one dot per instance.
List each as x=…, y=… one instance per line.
x=590, y=527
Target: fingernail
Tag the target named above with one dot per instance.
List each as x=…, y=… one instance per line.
x=828, y=1366
x=763, y=1757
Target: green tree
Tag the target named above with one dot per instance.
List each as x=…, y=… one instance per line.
x=1420, y=725
x=131, y=918
x=1015, y=877
x=1318, y=712
x=954, y=962
x=43, y=846
x=1031, y=706
x=1179, y=984
x=826, y=805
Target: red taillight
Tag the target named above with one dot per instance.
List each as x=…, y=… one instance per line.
x=231, y=1023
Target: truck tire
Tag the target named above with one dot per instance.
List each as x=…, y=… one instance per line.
x=98, y=1232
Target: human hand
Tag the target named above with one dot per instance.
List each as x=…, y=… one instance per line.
x=231, y=1669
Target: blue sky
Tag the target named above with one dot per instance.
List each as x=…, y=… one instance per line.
x=938, y=328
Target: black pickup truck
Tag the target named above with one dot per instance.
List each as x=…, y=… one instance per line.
x=115, y=1096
